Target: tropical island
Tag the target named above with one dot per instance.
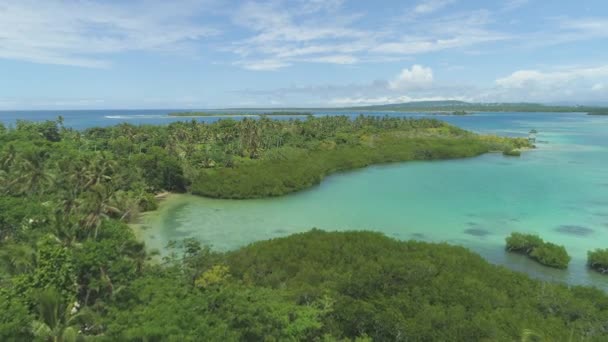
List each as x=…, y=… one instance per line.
x=72, y=269
x=450, y=107
x=195, y=114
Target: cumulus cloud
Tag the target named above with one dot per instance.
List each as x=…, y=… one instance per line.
x=417, y=77
x=418, y=83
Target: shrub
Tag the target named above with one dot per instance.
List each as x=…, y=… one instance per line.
x=523, y=243
x=598, y=260
x=511, y=153
x=546, y=253
x=551, y=255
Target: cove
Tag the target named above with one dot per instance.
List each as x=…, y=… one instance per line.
x=558, y=191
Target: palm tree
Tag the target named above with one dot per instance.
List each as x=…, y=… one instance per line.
x=99, y=169
x=96, y=207
x=8, y=159
x=17, y=258
x=58, y=321
x=137, y=251
x=32, y=175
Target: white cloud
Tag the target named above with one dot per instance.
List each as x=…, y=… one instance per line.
x=333, y=59
x=551, y=79
x=418, y=83
x=84, y=33
x=417, y=77
x=430, y=6
x=300, y=34
x=362, y=101
x=265, y=65
x=511, y=5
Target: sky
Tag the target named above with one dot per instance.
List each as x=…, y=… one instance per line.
x=110, y=54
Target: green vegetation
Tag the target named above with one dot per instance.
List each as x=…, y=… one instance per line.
x=546, y=253
x=451, y=107
x=598, y=113
x=71, y=269
x=598, y=260
x=460, y=112
x=511, y=153
x=294, y=155
x=270, y=113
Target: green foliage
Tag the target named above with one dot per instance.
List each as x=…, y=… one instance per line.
x=523, y=243
x=551, y=255
x=546, y=253
x=391, y=290
x=511, y=153
x=598, y=260
x=15, y=319
x=224, y=114
x=162, y=308
x=70, y=268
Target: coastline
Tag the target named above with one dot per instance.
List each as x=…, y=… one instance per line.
x=234, y=115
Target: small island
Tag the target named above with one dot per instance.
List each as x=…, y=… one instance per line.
x=598, y=113
x=545, y=253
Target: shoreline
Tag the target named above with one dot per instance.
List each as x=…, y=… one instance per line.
x=234, y=115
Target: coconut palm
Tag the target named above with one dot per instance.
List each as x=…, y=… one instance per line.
x=97, y=206
x=8, y=158
x=32, y=174
x=17, y=258
x=99, y=170
x=58, y=321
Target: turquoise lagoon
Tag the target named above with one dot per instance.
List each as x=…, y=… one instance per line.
x=559, y=191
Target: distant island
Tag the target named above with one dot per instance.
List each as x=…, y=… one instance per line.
x=461, y=107
x=456, y=113
x=275, y=113
x=437, y=107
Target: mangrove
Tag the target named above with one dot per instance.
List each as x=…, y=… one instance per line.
x=545, y=253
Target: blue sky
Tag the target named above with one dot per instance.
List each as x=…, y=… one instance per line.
x=79, y=54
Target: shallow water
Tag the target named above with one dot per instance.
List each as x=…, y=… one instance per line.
x=559, y=191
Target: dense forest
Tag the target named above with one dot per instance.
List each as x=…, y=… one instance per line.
x=235, y=113
x=72, y=270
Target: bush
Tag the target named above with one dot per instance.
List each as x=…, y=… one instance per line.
x=546, y=253
x=523, y=243
x=511, y=153
x=598, y=260
x=551, y=255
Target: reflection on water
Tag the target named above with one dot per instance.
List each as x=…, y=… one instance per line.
x=557, y=191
